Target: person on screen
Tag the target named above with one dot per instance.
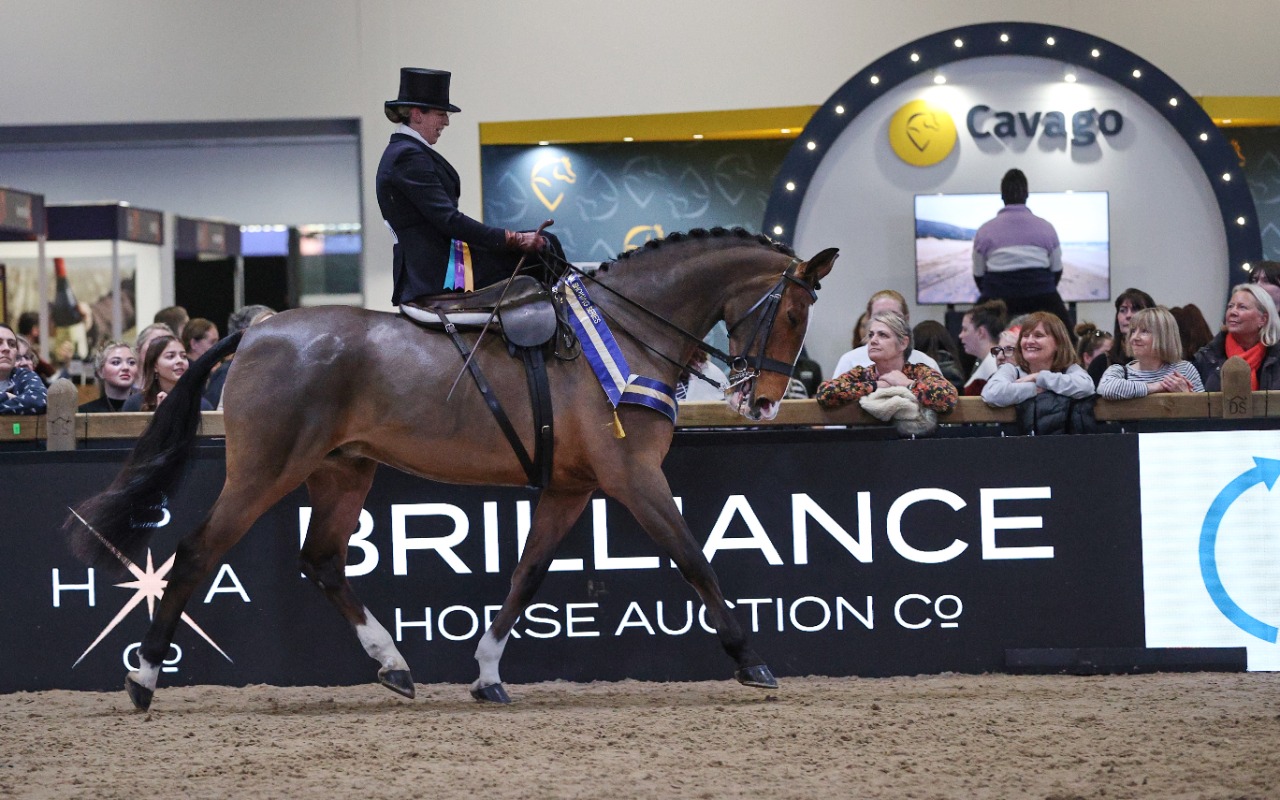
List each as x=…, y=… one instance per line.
x=980, y=332
x=1128, y=303
x=1157, y=364
x=1251, y=331
x=1017, y=257
x=883, y=300
x=1045, y=361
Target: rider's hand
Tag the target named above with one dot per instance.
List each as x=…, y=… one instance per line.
x=527, y=241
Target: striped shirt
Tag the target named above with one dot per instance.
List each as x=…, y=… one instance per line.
x=1127, y=381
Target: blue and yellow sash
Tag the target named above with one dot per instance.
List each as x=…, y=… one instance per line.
x=458, y=272
x=606, y=358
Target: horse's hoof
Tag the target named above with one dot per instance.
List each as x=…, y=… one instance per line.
x=493, y=693
x=139, y=694
x=758, y=676
x=398, y=681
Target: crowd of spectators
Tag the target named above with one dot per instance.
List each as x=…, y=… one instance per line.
x=133, y=376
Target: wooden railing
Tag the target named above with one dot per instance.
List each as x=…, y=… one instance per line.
x=62, y=428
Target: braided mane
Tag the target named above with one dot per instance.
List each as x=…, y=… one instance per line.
x=728, y=234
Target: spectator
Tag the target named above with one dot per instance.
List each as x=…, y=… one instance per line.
x=883, y=300
x=1252, y=332
x=163, y=365
x=1128, y=303
x=175, y=317
x=1045, y=361
x=116, y=366
x=1091, y=342
x=1157, y=364
x=888, y=342
x=1193, y=328
x=236, y=322
x=1267, y=275
x=27, y=358
x=145, y=337
x=932, y=339
x=29, y=329
x=21, y=390
x=860, y=331
x=1017, y=256
x=979, y=334
x=807, y=372
x=690, y=388
x=198, y=336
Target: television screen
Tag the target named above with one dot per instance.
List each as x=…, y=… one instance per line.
x=947, y=223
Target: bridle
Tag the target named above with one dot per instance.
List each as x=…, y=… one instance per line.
x=744, y=367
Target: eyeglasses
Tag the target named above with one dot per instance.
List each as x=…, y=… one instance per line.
x=1008, y=352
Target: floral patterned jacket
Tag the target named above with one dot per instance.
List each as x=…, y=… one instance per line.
x=930, y=388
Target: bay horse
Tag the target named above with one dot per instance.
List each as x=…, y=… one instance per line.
x=322, y=395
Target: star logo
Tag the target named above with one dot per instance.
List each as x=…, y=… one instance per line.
x=149, y=585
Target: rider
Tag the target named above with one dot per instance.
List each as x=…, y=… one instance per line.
x=437, y=247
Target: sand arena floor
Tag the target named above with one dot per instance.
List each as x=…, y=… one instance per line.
x=949, y=736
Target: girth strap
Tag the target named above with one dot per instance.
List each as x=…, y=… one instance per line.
x=535, y=369
x=530, y=470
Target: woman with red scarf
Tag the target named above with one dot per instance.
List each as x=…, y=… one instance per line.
x=1251, y=331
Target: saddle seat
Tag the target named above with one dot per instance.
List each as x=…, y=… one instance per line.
x=526, y=318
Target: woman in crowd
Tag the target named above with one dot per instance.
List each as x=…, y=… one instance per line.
x=21, y=390
x=1128, y=303
x=1267, y=275
x=1091, y=342
x=980, y=330
x=1193, y=329
x=1157, y=364
x=932, y=339
x=116, y=366
x=163, y=365
x=889, y=341
x=1045, y=361
x=1252, y=332
x=145, y=337
x=198, y=336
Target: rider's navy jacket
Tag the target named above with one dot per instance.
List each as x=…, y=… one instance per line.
x=418, y=194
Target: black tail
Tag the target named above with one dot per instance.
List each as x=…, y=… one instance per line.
x=120, y=520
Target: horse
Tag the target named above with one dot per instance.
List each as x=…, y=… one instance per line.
x=369, y=386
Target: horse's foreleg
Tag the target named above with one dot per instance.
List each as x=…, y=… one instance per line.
x=338, y=489
x=552, y=519
x=648, y=497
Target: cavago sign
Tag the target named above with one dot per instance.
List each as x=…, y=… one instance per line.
x=923, y=133
x=841, y=557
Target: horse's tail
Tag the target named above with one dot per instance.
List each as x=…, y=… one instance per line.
x=119, y=521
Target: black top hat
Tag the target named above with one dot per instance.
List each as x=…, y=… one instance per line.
x=424, y=88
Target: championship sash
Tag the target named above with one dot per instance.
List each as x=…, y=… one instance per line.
x=458, y=272
x=606, y=358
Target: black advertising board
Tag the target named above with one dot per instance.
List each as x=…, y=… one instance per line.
x=202, y=237
x=109, y=221
x=842, y=558
x=21, y=214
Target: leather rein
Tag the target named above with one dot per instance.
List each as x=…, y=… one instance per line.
x=744, y=367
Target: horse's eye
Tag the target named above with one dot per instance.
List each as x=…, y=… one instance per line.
x=793, y=318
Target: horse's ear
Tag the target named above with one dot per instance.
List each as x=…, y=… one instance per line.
x=816, y=268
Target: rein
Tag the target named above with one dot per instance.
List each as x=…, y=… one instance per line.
x=742, y=368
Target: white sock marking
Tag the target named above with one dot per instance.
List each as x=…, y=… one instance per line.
x=378, y=643
x=488, y=654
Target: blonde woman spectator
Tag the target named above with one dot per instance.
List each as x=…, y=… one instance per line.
x=1252, y=332
x=1157, y=364
x=883, y=300
x=116, y=366
x=1045, y=361
x=889, y=340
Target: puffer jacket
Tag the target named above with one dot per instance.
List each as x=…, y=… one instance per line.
x=1209, y=359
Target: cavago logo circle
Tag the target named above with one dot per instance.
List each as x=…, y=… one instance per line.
x=922, y=134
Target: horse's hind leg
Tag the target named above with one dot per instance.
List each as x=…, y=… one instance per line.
x=648, y=496
x=552, y=519
x=338, y=489
x=234, y=511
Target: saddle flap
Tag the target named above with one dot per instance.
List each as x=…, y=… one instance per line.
x=530, y=320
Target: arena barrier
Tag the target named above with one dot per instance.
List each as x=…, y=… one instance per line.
x=843, y=554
